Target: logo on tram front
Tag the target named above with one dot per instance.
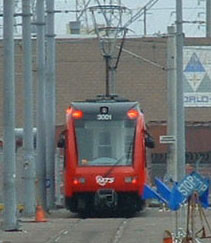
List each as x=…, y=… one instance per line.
x=102, y=181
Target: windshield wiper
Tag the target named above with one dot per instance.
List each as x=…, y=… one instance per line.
x=119, y=160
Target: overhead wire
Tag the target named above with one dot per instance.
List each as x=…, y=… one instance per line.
x=143, y=58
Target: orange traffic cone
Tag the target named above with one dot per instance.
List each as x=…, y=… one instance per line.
x=40, y=214
x=167, y=238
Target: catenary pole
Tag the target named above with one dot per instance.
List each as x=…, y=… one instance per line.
x=172, y=108
x=180, y=121
x=145, y=21
x=9, y=172
x=29, y=163
x=50, y=105
x=40, y=162
x=180, y=94
x=172, y=103
x=208, y=18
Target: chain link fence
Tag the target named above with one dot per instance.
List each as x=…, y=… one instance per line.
x=200, y=162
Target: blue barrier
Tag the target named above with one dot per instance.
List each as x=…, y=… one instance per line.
x=180, y=192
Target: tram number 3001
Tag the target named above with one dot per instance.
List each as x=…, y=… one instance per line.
x=190, y=184
x=104, y=117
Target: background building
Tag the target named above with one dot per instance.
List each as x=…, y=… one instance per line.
x=80, y=74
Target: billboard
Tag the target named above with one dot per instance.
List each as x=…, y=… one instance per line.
x=197, y=76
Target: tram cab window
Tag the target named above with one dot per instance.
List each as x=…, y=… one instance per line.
x=104, y=147
x=105, y=143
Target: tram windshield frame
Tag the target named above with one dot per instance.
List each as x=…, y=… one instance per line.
x=105, y=143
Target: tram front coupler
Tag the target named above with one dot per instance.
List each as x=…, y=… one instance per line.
x=105, y=198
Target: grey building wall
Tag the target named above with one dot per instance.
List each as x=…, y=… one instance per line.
x=80, y=74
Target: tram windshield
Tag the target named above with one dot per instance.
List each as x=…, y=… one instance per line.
x=105, y=143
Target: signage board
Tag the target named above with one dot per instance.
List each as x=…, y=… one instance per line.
x=167, y=139
x=197, y=76
x=180, y=192
x=191, y=183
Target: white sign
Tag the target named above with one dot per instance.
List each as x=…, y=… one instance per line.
x=191, y=183
x=167, y=139
x=197, y=76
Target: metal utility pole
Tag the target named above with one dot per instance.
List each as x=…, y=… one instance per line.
x=172, y=102
x=180, y=121
x=9, y=172
x=145, y=21
x=208, y=18
x=41, y=138
x=50, y=105
x=29, y=163
x=180, y=138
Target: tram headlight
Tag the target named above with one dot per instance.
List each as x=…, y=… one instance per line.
x=77, y=114
x=131, y=179
x=132, y=114
x=79, y=180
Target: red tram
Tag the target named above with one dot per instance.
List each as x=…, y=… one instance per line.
x=105, y=160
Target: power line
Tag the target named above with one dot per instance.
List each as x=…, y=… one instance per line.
x=186, y=8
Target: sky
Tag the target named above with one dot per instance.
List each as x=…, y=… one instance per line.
x=161, y=15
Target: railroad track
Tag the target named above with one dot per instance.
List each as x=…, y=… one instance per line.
x=63, y=226
x=59, y=235
x=92, y=230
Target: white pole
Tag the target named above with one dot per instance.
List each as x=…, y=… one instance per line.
x=50, y=106
x=180, y=95
x=208, y=18
x=172, y=102
x=180, y=123
x=41, y=85
x=9, y=173
x=29, y=163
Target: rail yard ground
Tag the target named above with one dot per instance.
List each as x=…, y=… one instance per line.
x=63, y=226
